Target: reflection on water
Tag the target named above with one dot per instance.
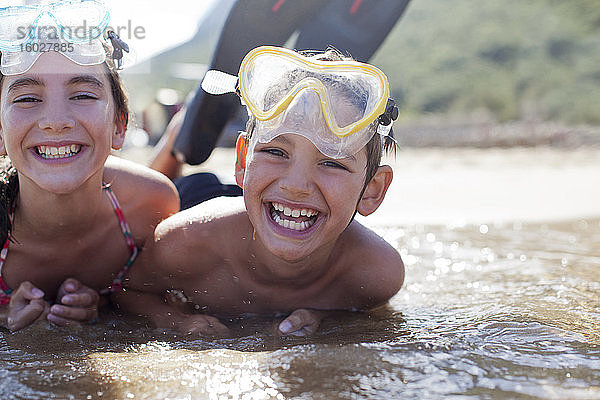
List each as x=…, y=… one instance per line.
x=486, y=312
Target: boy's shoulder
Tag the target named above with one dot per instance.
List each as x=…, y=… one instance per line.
x=209, y=224
x=372, y=266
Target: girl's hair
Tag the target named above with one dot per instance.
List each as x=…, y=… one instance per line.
x=9, y=181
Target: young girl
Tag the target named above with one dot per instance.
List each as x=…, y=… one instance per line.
x=72, y=218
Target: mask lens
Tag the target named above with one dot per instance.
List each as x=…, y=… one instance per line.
x=352, y=94
x=73, y=28
x=81, y=21
x=17, y=26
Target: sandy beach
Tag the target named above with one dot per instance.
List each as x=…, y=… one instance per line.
x=457, y=186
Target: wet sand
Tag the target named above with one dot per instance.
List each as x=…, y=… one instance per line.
x=435, y=186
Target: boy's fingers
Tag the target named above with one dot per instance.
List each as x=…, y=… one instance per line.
x=299, y=323
x=207, y=326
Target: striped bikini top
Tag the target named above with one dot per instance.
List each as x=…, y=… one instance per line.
x=117, y=283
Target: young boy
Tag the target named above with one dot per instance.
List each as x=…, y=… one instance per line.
x=308, y=162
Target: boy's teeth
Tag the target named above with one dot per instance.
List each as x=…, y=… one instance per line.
x=58, y=152
x=287, y=211
x=297, y=226
x=294, y=213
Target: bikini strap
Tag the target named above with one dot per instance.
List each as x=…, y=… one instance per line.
x=5, y=290
x=117, y=283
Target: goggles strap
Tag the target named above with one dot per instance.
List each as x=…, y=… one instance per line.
x=118, y=46
x=390, y=114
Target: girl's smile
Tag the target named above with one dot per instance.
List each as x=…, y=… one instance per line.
x=58, y=123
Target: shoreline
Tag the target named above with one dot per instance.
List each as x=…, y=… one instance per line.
x=458, y=186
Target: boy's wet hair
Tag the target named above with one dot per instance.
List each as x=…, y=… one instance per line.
x=374, y=146
x=9, y=182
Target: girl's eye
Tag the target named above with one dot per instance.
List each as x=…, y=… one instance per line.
x=27, y=99
x=85, y=96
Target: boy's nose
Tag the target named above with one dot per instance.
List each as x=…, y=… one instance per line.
x=55, y=119
x=296, y=180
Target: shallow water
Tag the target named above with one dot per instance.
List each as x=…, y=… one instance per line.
x=506, y=311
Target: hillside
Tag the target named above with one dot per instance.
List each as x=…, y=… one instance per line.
x=512, y=60
x=500, y=60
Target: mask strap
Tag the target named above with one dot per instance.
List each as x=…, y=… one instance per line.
x=390, y=114
x=384, y=128
x=119, y=46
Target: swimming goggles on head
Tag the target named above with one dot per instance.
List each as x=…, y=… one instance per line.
x=73, y=28
x=331, y=103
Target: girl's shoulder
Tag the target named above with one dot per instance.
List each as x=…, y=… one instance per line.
x=129, y=180
x=146, y=196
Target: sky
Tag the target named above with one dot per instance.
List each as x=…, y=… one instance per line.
x=160, y=24
x=164, y=23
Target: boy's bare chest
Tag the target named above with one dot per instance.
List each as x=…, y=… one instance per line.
x=94, y=261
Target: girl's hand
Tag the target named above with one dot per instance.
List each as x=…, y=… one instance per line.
x=75, y=303
x=301, y=322
x=26, y=306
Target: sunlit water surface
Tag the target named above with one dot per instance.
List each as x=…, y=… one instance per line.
x=507, y=311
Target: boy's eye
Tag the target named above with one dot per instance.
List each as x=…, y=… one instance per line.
x=274, y=151
x=334, y=164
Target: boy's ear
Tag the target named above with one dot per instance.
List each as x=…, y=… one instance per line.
x=118, y=136
x=375, y=190
x=241, y=150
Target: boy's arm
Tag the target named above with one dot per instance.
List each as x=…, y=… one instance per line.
x=163, y=315
x=376, y=270
x=169, y=261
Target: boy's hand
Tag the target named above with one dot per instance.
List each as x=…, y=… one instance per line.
x=301, y=322
x=26, y=306
x=200, y=324
x=75, y=303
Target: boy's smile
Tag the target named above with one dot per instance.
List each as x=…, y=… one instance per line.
x=298, y=199
x=297, y=219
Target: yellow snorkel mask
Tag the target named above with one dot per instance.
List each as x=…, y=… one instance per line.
x=331, y=103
